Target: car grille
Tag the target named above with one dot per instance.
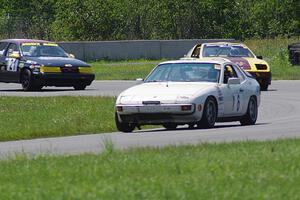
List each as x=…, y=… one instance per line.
x=261, y=66
x=69, y=69
x=147, y=117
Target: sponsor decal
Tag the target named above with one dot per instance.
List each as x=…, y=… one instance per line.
x=31, y=62
x=50, y=44
x=220, y=96
x=21, y=65
x=30, y=44
x=241, y=62
x=217, y=66
x=68, y=65
x=38, y=44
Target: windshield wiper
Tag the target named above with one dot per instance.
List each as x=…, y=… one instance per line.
x=155, y=81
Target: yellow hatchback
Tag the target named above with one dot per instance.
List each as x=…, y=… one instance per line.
x=237, y=53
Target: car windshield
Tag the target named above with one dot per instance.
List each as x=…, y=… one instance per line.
x=226, y=51
x=42, y=50
x=185, y=72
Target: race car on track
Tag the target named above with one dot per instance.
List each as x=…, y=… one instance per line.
x=38, y=63
x=190, y=92
x=237, y=53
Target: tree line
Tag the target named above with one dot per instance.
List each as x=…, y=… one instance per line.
x=80, y=20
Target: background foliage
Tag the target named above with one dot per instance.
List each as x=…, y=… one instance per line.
x=148, y=19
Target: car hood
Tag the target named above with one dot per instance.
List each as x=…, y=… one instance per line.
x=164, y=92
x=57, y=61
x=246, y=63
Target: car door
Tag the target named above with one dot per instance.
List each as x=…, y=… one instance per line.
x=233, y=93
x=244, y=90
x=12, y=63
x=3, y=75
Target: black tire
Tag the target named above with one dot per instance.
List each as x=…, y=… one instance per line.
x=191, y=125
x=209, y=115
x=123, y=127
x=252, y=111
x=79, y=87
x=170, y=126
x=264, y=86
x=27, y=81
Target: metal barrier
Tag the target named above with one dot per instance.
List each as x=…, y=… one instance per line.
x=133, y=49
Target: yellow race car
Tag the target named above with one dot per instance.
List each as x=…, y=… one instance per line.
x=237, y=53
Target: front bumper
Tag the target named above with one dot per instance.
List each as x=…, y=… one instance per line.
x=63, y=79
x=262, y=77
x=157, y=114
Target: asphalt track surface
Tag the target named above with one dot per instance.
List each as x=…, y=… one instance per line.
x=279, y=117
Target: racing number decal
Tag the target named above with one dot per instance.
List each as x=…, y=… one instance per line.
x=236, y=102
x=12, y=64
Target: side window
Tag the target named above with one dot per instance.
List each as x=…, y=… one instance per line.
x=12, y=48
x=3, y=46
x=239, y=73
x=229, y=72
x=196, y=52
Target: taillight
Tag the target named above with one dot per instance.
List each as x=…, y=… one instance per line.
x=186, y=107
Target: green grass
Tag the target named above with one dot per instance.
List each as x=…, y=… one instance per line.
x=274, y=51
x=123, y=70
x=33, y=117
x=247, y=170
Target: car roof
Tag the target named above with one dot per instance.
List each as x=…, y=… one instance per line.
x=208, y=60
x=226, y=44
x=19, y=41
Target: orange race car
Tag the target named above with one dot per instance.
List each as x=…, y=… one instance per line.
x=237, y=53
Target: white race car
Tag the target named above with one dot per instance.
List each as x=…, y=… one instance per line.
x=193, y=92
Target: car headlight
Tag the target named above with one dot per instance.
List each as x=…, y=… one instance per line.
x=35, y=67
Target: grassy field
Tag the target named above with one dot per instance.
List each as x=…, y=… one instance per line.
x=33, y=117
x=274, y=51
x=247, y=170
x=123, y=70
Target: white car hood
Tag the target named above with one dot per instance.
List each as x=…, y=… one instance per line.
x=165, y=92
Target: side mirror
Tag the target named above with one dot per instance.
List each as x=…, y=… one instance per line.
x=139, y=81
x=259, y=57
x=234, y=81
x=71, y=55
x=15, y=55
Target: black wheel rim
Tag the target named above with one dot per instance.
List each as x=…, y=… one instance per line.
x=25, y=80
x=211, y=112
x=252, y=110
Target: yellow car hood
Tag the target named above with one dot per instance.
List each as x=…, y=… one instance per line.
x=249, y=64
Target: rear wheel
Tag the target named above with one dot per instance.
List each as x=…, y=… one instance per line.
x=251, y=115
x=27, y=81
x=170, y=126
x=209, y=115
x=122, y=126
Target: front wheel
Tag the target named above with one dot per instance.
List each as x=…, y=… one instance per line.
x=122, y=126
x=209, y=115
x=27, y=81
x=251, y=115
